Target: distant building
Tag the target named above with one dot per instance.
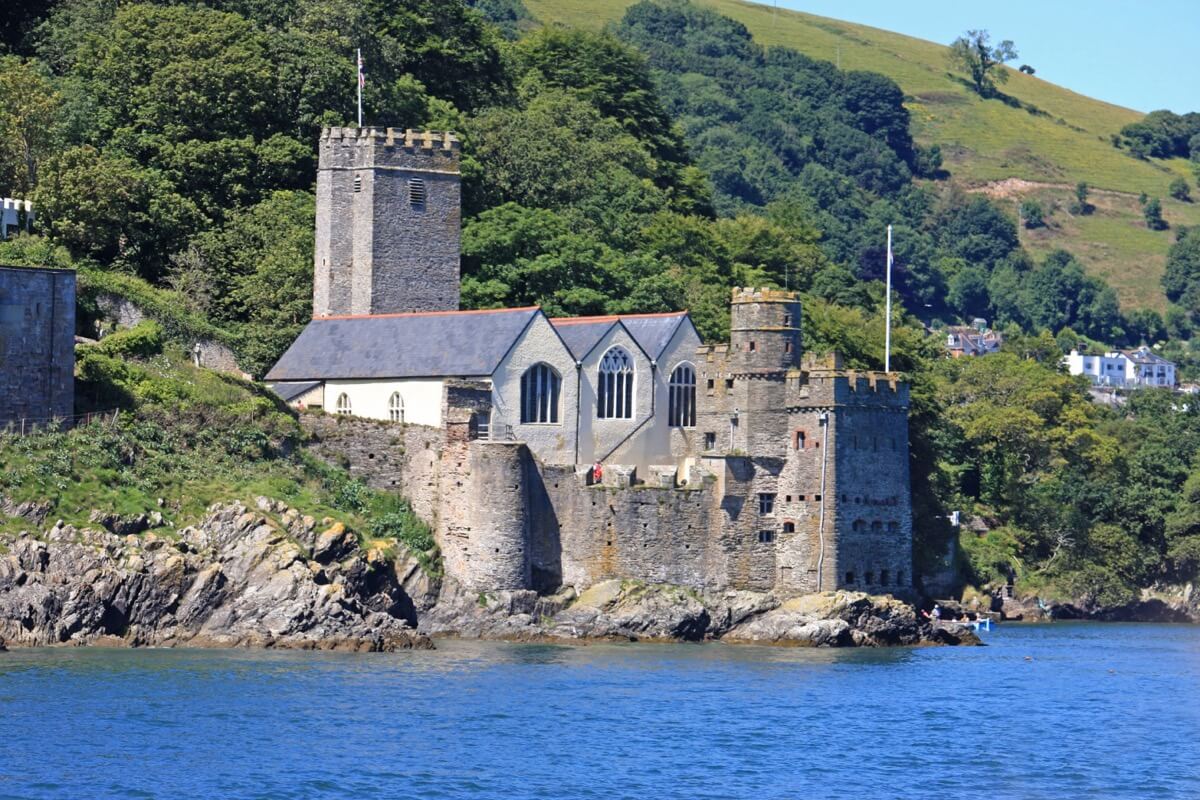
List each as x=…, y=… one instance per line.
x=976, y=339
x=15, y=216
x=37, y=346
x=1130, y=368
x=1146, y=368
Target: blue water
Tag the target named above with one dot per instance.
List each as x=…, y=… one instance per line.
x=1098, y=711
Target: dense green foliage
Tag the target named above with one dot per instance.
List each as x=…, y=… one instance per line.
x=185, y=438
x=1085, y=503
x=1164, y=134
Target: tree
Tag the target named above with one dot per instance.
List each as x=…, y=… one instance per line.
x=1180, y=190
x=1028, y=70
x=1081, y=204
x=29, y=109
x=1032, y=214
x=1183, y=265
x=1153, y=214
x=974, y=54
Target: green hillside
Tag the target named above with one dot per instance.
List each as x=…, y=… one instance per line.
x=1046, y=134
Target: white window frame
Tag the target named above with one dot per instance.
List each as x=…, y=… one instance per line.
x=343, y=406
x=396, y=407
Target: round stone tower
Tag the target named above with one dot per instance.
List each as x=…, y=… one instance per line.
x=499, y=555
x=764, y=330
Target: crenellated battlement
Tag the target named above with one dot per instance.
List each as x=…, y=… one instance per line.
x=749, y=294
x=394, y=137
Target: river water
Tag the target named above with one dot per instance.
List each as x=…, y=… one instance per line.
x=1047, y=711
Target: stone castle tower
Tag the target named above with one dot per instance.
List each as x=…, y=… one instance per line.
x=388, y=220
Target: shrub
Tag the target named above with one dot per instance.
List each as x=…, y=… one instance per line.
x=141, y=341
x=1153, y=214
x=1180, y=190
x=1032, y=214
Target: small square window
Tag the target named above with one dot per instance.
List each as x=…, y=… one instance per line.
x=787, y=347
x=711, y=384
x=766, y=504
x=803, y=498
x=753, y=347
x=710, y=441
x=789, y=527
x=729, y=383
x=766, y=537
x=787, y=320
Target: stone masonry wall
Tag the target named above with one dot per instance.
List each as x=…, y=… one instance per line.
x=37, y=345
x=388, y=222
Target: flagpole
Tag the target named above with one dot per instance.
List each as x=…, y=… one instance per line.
x=887, y=336
x=360, y=86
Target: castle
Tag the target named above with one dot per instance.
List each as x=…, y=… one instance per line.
x=550, y=451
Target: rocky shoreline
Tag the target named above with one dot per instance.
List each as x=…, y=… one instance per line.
x=272, y=577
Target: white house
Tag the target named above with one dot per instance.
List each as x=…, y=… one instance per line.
x=1132, y=368
x=1145, y=368
x=15, y=216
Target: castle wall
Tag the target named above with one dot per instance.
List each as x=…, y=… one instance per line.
x=585, y=534
x=37, y=345
x=808, y=491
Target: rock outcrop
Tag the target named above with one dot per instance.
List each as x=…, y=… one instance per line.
x=239, y=578
x=273, y=577
x=634, y=611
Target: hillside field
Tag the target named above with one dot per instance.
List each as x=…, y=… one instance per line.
x=1044, y=134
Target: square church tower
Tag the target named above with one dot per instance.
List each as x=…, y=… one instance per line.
x=388, y=219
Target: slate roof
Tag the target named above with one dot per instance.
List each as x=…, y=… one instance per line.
x=652, y=332
x=439, y=344
x=1144, y=355
x=290, y=391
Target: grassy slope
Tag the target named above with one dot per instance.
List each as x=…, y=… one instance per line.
x=981, y=140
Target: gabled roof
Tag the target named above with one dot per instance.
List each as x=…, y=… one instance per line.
x=289, y=391
x=652, y=332
x=437, y=344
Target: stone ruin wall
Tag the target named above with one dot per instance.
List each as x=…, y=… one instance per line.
x=37, y=346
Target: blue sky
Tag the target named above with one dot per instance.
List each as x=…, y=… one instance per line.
x=1142, y=55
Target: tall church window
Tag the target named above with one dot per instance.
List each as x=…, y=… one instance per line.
x=396, y=407
x=681, y=410
x=343, y=404
x=614, y=395
x=540, y=390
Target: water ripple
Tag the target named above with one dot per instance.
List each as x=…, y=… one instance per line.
x=1098, y=711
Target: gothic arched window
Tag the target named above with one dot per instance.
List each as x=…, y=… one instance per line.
x=614, y=394
x=540, y=390
x=681, y=410
x=343, y=404
x=396, y=407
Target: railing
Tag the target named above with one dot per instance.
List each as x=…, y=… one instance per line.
x=25, y=426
